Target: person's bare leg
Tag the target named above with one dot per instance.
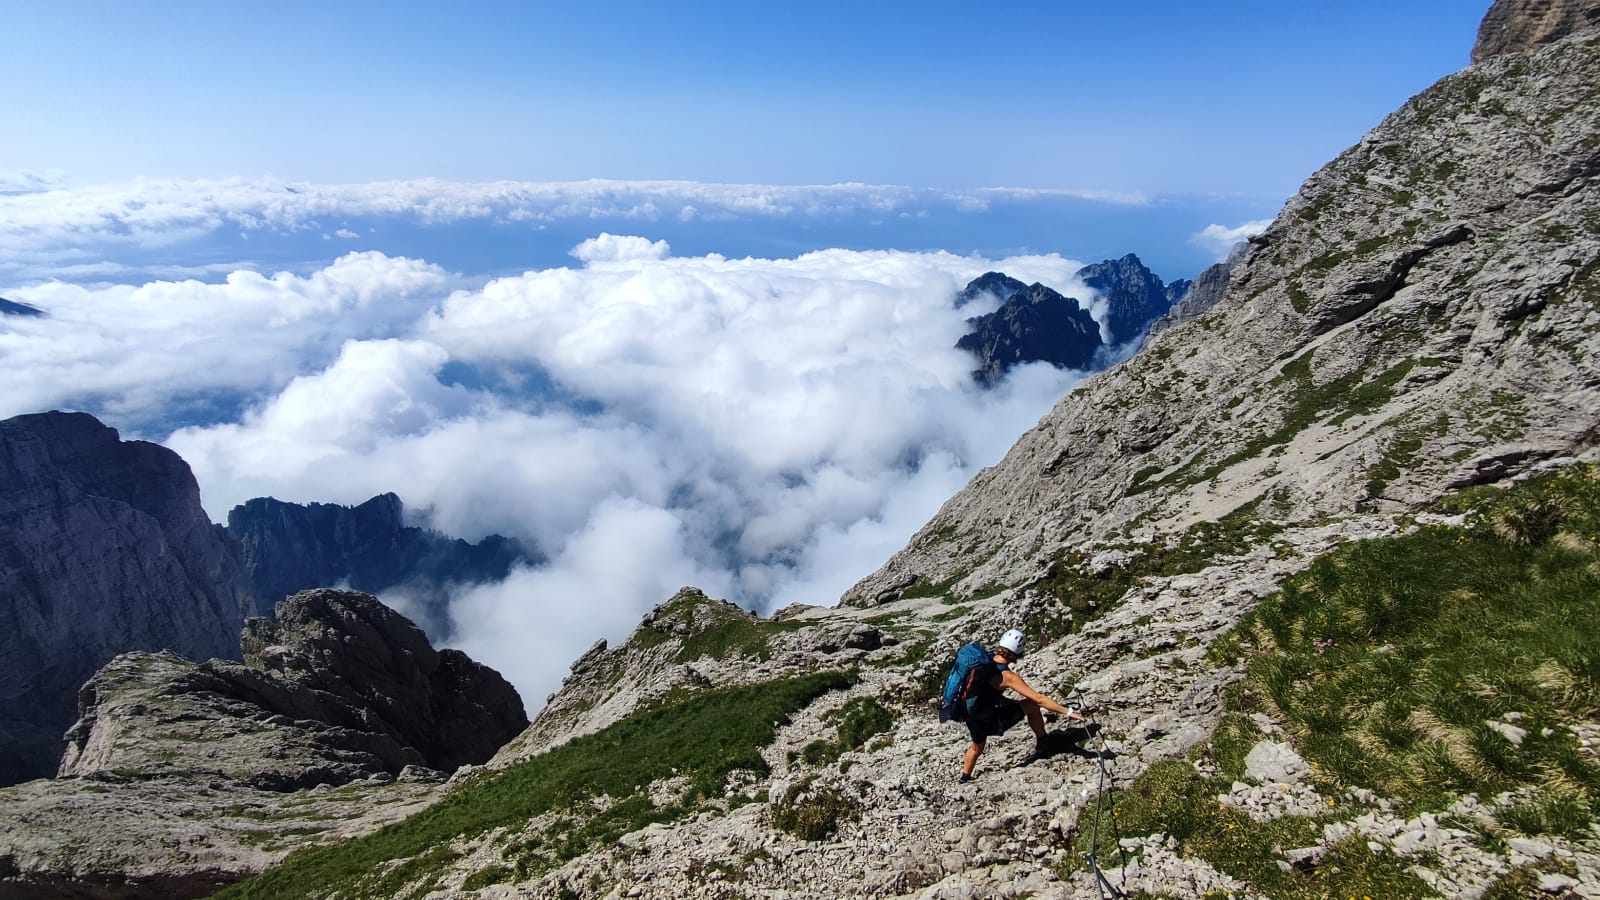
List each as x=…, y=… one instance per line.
x=1035, y=718
x=971, y=761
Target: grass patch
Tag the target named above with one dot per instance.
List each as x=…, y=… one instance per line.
x=703, y=739
x=813, y=813
x=1388, y=659
x=1172, y=798
x=858, y=721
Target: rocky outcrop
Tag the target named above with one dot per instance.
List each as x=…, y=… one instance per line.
x=339, y=688
x=688, y=643
x=12, y=308
x=1421, y=316
x=1035, y=324
x=180, y=777
x=289, y=547
x=1522, y=26
x=104, y=548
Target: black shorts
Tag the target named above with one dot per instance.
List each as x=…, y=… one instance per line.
x=1004, y=714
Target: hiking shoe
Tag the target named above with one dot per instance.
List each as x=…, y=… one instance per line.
x=964, y=779
x=1039, y=752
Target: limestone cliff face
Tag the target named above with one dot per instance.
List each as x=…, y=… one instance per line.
x=1421, y=316
x=1522, y=26
x=103, y=548
x=290, y=547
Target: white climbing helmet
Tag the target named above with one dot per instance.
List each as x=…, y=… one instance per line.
x=1013, y=641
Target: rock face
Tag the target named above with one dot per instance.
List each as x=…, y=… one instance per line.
x=1423, y=315
x=289, y=547
x=1034, y=324
x=1522, y=26
x=180, y=778
x=104, y=548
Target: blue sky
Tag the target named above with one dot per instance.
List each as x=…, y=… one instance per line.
x=1241, y=99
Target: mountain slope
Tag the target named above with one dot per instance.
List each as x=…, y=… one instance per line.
x=1419, y=321
x=1420, y=317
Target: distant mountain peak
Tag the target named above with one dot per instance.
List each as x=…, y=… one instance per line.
x=12, y=308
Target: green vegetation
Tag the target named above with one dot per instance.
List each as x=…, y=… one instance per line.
x=702, y=740
x=1172, y=798
x=717, y=630
x=1403, y=664
x=858, y=720
x=1385, y=661
x=925, y=588
x=1400, y=455
x=813, y=813
x=1084, y=595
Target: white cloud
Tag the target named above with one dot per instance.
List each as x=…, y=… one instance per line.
x=768, y=429
x=1219, y=239
x=620, y=248
x=134, y=352
x=27, y=181
x=346, y=233
x=149, y=213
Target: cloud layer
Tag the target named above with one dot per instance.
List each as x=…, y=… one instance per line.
x=44, y=223
x=768, y=429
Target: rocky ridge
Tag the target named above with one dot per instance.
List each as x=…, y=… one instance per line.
x=1034, y=323
x=290, y=547
x=12, y=308
x=337, y=698
x=105, y=549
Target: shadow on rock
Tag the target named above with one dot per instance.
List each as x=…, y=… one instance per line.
x=1064, y=741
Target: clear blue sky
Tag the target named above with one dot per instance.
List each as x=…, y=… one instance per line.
x=1239, y=98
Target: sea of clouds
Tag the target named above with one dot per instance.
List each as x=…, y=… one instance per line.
x=768, y=429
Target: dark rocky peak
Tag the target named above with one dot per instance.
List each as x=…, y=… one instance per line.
x=1035, y=324
x=289, y=547
x=12, y=308
x=1134, y=295
x=339, y=688
x=998, y=284
x=1522, y=26
x=104, y=548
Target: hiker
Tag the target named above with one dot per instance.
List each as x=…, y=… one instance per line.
x=992, y=712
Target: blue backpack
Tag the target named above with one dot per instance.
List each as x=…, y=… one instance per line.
x=961, y=688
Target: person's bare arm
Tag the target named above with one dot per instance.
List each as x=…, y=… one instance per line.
x=1010, y=679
